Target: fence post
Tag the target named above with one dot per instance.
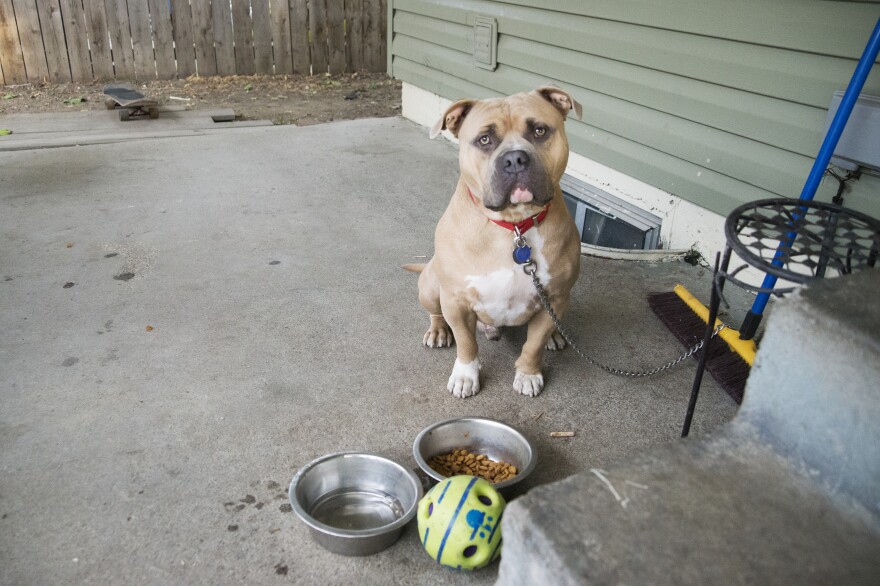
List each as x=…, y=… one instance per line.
x=182, y=29
x=299, y=36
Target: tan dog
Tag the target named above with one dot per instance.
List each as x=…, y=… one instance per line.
x=513, y=152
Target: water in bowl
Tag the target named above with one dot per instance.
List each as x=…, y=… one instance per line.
x=356, y=509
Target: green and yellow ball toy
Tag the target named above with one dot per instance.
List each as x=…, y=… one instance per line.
x=460, y=522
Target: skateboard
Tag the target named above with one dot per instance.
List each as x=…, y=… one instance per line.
x=130, y=102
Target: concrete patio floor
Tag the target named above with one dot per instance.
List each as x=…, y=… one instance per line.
x=186, y=321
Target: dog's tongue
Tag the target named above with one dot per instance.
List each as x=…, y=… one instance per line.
x=521, y=195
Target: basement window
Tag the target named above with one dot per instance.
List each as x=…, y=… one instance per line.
x=605, y=220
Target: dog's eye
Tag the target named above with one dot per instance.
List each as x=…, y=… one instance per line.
x=485, y=140
x=540, y=131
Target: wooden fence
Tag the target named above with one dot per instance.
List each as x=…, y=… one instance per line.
x=81, y=40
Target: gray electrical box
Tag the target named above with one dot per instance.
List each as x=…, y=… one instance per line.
x=859, y=144
x=485, y=42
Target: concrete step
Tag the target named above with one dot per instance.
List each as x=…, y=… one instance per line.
x=785, y=494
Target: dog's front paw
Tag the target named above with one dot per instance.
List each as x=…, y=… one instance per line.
x=438, y=335
x=529, y=385
x=465, y=379
x=555, y=341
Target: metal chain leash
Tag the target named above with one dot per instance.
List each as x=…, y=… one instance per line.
x=531, y=269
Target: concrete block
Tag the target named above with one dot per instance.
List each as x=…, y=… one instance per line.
x=785, y=494
x=814, y=392
x=725, y=511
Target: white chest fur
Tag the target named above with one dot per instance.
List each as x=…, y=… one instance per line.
x=507, y=295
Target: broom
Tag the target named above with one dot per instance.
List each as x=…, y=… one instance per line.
x=686, y=318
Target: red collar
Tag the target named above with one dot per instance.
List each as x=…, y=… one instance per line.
x=523, y=226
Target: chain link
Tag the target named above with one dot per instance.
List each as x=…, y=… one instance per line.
x=531, y=269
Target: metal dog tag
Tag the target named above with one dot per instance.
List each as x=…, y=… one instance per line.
x=522, y=254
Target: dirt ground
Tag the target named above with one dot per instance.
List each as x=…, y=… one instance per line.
x=295, y=99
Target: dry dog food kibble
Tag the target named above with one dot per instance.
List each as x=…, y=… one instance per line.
x=462, y=461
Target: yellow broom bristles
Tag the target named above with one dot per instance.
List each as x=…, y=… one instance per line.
x=745, y=348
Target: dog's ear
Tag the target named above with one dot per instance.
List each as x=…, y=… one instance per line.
x=452, y=118
x=560, y=99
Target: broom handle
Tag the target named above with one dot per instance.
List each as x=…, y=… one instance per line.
x=835, y=130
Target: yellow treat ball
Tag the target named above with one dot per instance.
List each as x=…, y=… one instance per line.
x=460, y=522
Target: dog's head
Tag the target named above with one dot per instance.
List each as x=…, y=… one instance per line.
x=513, y=151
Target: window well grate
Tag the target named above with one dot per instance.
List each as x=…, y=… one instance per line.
x=605, y=220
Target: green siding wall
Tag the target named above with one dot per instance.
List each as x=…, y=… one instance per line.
x=717, y=102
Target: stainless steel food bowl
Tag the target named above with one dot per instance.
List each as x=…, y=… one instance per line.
x=355, y=503
x=478, y=435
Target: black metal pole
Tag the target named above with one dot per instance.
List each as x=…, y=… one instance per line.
x=714, y=304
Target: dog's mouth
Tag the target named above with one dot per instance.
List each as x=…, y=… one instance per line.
x=517, y=179
x=519, y=193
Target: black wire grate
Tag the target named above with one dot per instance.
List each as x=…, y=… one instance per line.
x=799, y=241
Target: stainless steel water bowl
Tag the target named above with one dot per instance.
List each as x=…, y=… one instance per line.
x=498, y=441
x=355, y=503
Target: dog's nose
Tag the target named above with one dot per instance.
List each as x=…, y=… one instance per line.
x=515, y=161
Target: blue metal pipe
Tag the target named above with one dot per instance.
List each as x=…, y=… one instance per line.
x=835, y=130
